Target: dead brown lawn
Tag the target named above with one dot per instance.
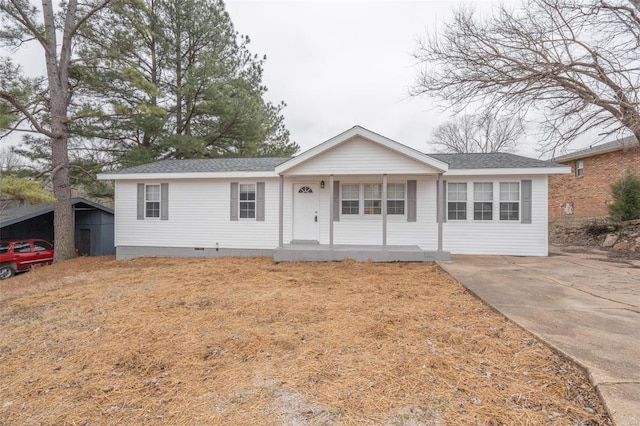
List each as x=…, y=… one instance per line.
x=247, y=341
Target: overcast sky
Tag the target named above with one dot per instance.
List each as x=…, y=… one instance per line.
x=343, y=63
x=338, y=64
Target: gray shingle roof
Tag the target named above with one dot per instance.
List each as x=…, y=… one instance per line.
x=599, y=149
x=497, y=160
x=455, y=161
x=208, y=165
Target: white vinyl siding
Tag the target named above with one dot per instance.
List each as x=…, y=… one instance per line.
x=367, y=229
x=502, y=237
x=204, y=226
x=360, y=156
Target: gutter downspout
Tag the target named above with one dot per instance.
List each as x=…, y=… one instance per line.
x=384, y=212
x=440, y=209
x=331, y=201
x=281, y=214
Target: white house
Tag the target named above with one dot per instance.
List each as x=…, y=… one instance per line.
x=358, y=195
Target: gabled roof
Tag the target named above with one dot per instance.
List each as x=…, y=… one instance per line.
x=14, y=214
x=367, y=134
x=449, y=164
x=602, y=148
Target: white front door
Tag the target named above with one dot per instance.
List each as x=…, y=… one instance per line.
x=306, y=206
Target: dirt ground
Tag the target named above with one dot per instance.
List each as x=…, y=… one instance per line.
x=96, y=341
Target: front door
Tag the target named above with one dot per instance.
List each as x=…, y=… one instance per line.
x=306, y=206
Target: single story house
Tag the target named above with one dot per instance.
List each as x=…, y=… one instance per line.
x=586, y=191
x=358, y=195
x=93, y=225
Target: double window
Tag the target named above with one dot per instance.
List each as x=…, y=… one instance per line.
x=247, y=201
x=367, y=198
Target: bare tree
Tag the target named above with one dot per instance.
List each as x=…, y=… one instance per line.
x=575, y=62
x=483, y=132
x=10, y=162
x=43, y=106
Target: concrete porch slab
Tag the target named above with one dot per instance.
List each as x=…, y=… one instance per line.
x=361, y=253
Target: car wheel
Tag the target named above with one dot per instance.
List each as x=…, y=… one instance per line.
x=6, y=271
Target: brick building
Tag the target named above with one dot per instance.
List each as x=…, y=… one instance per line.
x=587, y=190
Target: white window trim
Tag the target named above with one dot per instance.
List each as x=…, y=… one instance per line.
x=371, y=216
x=254, y=201
x=364, y=199
x=466, y=202
x=519, y=202
x=579, y=170
x=404, y=201
x=493, y=203
x=159, y=201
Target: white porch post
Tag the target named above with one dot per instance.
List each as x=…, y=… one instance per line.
x=440, y=209
x=384, y=211
x=281, y=214
x=331, y=201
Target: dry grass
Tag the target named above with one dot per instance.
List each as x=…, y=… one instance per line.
x=247, y=341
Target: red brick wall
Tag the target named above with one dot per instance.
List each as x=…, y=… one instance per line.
x=590, y=193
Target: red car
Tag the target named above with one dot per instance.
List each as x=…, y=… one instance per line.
x=22, y=255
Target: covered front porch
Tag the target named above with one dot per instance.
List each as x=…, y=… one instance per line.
x=309, y=252
x=361, y=196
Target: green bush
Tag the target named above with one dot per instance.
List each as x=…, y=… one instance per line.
x=626, y=197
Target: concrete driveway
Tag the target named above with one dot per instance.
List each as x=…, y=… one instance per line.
x=577, y=301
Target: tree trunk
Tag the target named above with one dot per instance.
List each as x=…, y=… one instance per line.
x=58, y=78
x=62, y=212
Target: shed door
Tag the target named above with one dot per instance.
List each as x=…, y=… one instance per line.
x=306, y=206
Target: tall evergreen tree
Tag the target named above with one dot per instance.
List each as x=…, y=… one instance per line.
x=173, y=79
x=42, y=105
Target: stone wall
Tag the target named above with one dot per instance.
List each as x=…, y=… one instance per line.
x=573, y=197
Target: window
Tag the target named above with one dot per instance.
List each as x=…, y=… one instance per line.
x=247, y=201
x=395, y=198
x=41, y=246
x=22, y=247
x=483, y=201
x=579, y=168
x=152, y=201
x=509, y=200
x=456, y=201
x=351, y=199
x=373, y=199
x=305, y=190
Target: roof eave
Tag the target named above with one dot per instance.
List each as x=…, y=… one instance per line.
x=510, y=171
x=189, y=175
